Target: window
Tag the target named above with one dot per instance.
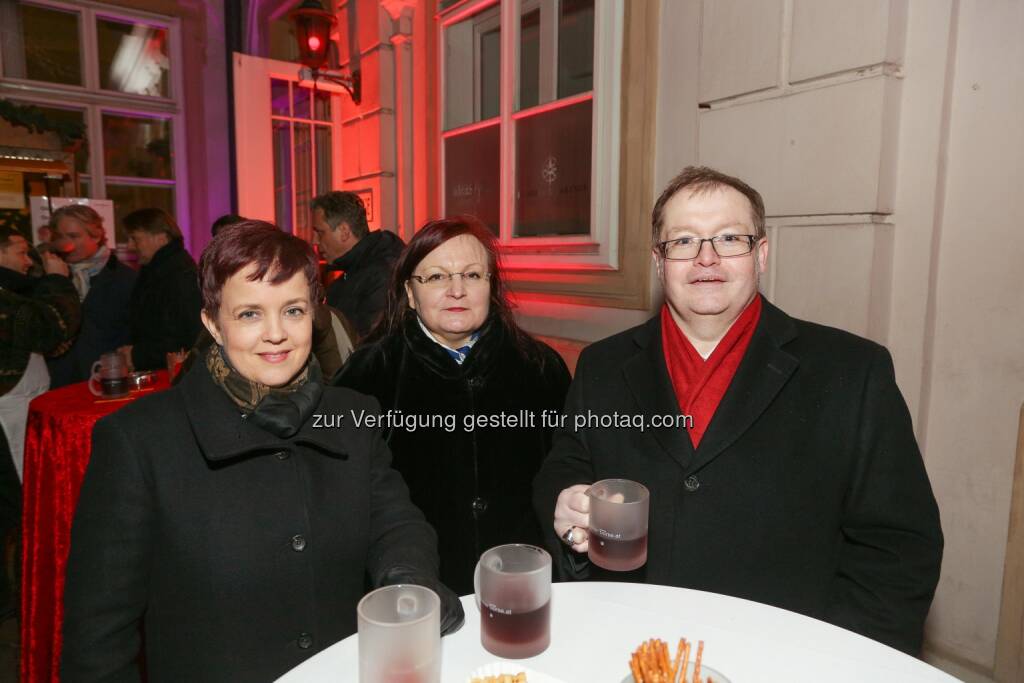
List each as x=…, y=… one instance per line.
x=116, y=72
x=301, y=125
x=529, y=112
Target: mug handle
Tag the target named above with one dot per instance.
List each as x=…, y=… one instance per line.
x=94, y=377
x=476, y=585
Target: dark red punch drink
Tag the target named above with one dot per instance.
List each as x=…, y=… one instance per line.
x=515, y=636
x=618, y=555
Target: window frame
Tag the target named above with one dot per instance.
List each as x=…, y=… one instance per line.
x=598, y=250
x=97, y=101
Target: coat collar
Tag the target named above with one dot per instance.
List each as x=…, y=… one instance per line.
x=481, y=358
x=223, y=434
x=762, y=373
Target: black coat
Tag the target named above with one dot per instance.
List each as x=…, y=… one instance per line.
x=361, y=290
x=165, y=307
x=105, y=325
x=473, y=486
x=242, y=553
x=807, y=491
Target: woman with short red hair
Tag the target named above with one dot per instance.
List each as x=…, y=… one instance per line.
x=219, y=516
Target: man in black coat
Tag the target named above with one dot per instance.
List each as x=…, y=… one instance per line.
x=165, y=302
x=104, y=286
x=364, y=258
x=800, y=484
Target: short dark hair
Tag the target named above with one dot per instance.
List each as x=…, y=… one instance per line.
x=341, y=207
x=154, y=221
x=704, y=179
x=224, y=221
x=260, y=244
x=7, y=235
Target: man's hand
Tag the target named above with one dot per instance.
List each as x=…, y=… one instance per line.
x=572, y=511
x=55, y=265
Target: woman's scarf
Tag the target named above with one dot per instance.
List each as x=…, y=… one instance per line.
x=86, y=269
x=280, y=410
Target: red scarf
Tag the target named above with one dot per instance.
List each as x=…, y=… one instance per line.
x=700, y=384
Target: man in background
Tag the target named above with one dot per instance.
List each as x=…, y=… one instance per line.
x=365, y=258
x=165, y=303
x=37, y=316
x=104, y=287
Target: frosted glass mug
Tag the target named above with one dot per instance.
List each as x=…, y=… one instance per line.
x=513, y=592
x=400, y=635
x=618, y=524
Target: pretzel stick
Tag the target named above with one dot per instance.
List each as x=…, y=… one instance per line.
x=686, y=659
x=696, y=667
x=677, y=661
x=634, y=666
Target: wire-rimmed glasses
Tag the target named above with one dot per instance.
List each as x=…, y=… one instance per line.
x=688, y=248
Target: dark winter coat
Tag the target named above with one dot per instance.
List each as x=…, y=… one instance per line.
x=37, y=315
x=361, y=290
x=472, y=484
x=165, y=307
x=807, y=491
x=242, y=553
x=105, y=325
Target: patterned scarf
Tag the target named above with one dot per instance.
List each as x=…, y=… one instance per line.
x=85, y=270
x=280, y=410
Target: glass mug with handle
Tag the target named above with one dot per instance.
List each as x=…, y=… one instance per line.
x=513, y=593
x=400, y=635
x=109, y=376
x=618, y=524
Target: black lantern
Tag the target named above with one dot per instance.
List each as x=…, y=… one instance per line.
x=313, y=27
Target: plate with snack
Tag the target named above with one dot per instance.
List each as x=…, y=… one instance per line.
x=652, y=663
x=509, y=672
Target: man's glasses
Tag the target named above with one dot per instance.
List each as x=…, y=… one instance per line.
x=687, y=248
x=438, y=280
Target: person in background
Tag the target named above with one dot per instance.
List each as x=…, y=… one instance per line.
x=449, y=349
x=217, y=518
x=104, y=287
x=165, y=302
x=796, y=481
x=223, y=222
x=37, y=316
x=366, y=259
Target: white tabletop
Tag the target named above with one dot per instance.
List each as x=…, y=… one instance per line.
x=595, y=627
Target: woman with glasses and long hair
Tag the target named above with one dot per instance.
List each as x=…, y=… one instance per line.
x=468, y=399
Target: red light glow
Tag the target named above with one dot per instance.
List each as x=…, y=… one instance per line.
x=314, y=43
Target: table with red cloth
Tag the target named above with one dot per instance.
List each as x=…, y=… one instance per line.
x=58, y=443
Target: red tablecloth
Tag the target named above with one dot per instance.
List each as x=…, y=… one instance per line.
x=57, y=449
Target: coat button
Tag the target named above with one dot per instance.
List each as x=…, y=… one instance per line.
x=692, y=483
x=475, y=383
x=282, y=455
x=298, y=543
x=304, y=641
x=479, y=506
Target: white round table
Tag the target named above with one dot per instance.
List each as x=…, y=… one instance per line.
x=595, y=627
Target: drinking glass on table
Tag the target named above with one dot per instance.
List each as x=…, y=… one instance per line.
x=513, y=592
x=618, y=524
x=109, y=377
x=400, y=635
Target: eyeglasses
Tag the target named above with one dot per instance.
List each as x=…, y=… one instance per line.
x=437, y=280
x=688, y=248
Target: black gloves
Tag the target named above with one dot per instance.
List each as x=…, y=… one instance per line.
x=452, y=615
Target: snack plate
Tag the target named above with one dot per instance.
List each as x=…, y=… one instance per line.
x=705, y=672
x=499, y=668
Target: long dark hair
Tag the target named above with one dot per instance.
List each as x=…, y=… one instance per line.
x=427, y=239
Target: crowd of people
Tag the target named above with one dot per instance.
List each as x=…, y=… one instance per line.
x=236, y=519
